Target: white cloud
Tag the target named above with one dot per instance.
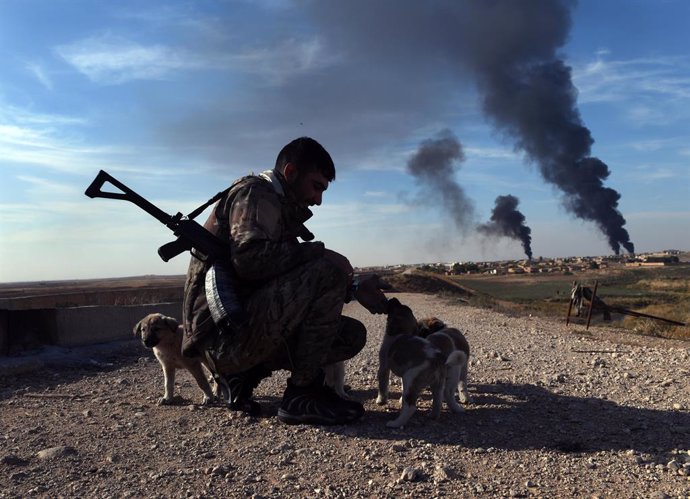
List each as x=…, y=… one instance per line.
x=652, y=145
x=41, y=186
x=377, y=194
x=15, y=115
x=113, y=60
x=680, y=216
x=40, y=74
x=55, y=142
x=44, y=147
x=617, y=80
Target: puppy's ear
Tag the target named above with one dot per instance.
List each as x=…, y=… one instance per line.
x=171, y=323
x=137, y=328
x=435, y=324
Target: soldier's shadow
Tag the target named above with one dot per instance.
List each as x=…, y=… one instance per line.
x=523, y=416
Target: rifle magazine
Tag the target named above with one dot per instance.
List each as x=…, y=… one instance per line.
x=221, y=295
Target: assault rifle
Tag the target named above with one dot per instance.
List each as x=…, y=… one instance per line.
x=191, y=236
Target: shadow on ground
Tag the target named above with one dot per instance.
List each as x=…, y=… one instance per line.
x=49, y=366
x=522, y=416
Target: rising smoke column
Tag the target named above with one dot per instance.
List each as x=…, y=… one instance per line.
x=432, y=165
x=506, y=220
x=510, y=49
x=529, y=96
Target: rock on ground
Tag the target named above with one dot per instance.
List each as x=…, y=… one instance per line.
x=557, y=412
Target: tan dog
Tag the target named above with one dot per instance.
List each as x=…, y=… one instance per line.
x=419, y=362
x=164, y=335
x=434, y=329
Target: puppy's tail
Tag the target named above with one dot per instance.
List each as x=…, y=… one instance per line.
x=456, y=358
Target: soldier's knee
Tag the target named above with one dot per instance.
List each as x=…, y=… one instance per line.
x=360, y=337
x=355, y=335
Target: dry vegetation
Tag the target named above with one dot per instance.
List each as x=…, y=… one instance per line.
x=662, y=292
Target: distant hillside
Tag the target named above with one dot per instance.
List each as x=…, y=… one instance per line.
x=416, y=281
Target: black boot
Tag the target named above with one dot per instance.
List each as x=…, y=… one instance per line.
x=238, y=389
x=317, y=404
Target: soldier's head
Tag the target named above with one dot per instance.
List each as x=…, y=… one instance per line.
x=307, y=168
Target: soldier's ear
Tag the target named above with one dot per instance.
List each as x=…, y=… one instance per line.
x=290, y=172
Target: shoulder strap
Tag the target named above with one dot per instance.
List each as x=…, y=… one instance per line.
x=227, y=198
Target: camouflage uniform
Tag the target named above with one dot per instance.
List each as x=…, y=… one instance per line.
x=293, y=295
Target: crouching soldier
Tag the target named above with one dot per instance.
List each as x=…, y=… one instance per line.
x=289, y=293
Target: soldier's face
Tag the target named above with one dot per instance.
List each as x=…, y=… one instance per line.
x=309, y=187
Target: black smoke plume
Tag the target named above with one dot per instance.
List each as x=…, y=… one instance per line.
x=510, y=49
x=535, y=104
x=506, y=220
x=393, y=67
x=433, y=166
x=528, y=94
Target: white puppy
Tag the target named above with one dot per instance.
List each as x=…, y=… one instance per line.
x=439, y=334
x=419, y=362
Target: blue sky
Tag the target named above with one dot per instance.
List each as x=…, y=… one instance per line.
x=178, y=98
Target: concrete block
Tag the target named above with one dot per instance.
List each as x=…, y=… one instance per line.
x=80, y=326
x=4, y=331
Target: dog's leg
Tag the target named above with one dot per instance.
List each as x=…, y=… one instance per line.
x=450, y=384
x=169, y=379
x=383, y=375
x=409, y=397
x=462, y=384
x=201, y=380
x=384, y=380
x=408, y=408
x=437, y=393
x=335, y=378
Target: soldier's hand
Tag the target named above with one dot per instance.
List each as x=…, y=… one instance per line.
x=371, y=297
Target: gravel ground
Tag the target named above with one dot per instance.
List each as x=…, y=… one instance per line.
x=557, y=412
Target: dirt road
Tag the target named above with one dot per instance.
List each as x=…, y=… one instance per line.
x=556, y=412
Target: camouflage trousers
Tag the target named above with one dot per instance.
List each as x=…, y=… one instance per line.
x=296, y=323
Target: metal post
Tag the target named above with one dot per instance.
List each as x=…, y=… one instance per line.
x=591, y=303
x=570, y=307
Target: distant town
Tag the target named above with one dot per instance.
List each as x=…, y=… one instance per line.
x=545, y=265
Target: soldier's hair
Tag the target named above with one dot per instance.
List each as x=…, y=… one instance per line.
x=307, y=155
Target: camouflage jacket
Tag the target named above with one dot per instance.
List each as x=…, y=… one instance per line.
x=263, y=222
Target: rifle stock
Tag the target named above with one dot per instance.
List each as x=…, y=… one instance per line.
x=191, y=236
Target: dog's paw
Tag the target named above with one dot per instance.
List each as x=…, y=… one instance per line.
x=165, y=401
x=465, y=398
x=208, y=400
x=381, y=400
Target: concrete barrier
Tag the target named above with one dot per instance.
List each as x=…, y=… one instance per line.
x=22, y=330
x=88, y=325
x=4, y=331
